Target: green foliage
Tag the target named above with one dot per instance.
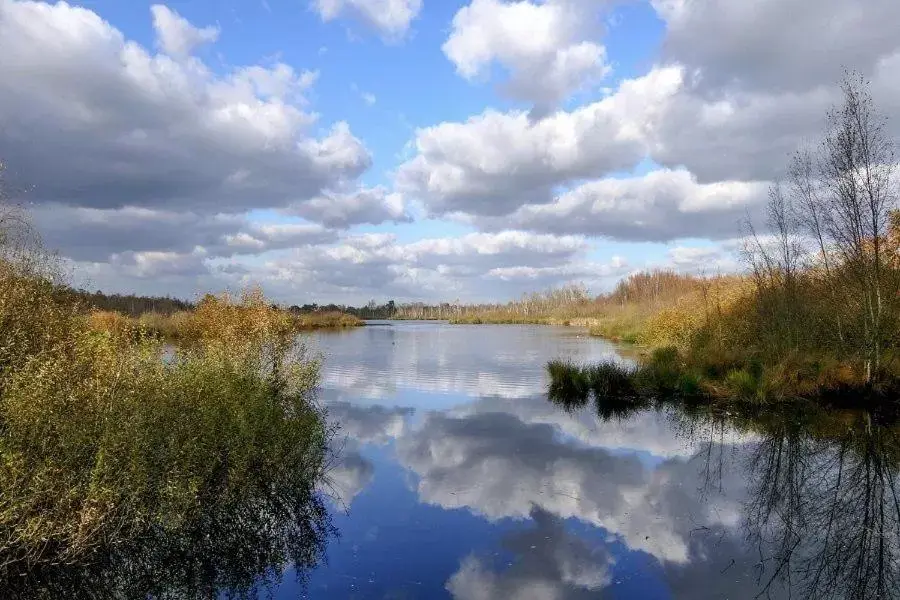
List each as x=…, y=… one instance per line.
x=611, y=380
x=742, y=384
x=103, y=441
x=570, y=384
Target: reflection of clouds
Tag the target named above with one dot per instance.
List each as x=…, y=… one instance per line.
x=498, y=466
x=369, y=424
x=349, y=476
x=359, y=425
x=481, y=360
x=550, y=563
x=648, y=431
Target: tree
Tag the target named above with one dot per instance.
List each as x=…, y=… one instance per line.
x=842, y=195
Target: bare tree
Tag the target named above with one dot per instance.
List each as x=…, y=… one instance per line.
x=857, y=173
x=840, y=195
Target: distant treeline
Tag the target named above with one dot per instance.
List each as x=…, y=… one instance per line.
x=388, y=310
x=134, y=306
x=126, y=304
x=564, y=302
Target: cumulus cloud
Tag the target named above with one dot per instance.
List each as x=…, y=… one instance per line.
x=435, y=268
x=390, y=18
x=157, y=263
x=777, y=45
x=547, y=47
x=760, y=76
x=662, y=205
x=138, y=129
x=94, y=234
x=731, y=98
x=496, y=162
x=175, y=35
x=365, y=205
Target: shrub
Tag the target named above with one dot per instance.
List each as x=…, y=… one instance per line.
x=570, y=384
x=101, y=440
x=611, y=380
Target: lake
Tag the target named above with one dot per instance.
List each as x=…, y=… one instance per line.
x=453, y=474
x=457, y=478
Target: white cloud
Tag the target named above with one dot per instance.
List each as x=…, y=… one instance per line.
x=753, y=91
x=497, y=162
x=158, y=263
x=546, y=47
x=175, y=35
x=144, y=130
x=660, y=206
x=391, y=18
x=94, y=234
x=436, y=268
x=777, y=45
x=365, y=205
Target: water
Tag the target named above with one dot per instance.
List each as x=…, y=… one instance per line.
x=458, y=479
x=454, y=476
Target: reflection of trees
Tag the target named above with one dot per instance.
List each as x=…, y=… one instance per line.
x=236, y=544
x=831, y=507
x=823, y=509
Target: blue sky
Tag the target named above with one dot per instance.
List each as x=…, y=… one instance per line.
x=341, y=150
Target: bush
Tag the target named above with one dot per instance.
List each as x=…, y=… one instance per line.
x=101, y=440
x=611, y=380
x=570, y=384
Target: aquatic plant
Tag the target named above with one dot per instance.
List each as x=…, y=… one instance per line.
x=570, y=384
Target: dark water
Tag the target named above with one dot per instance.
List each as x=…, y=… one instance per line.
x=458, y=479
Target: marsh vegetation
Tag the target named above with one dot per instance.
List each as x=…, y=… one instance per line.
x=818, y=310
x=115, y=461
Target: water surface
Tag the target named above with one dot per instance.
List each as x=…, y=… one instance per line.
x=457, y=478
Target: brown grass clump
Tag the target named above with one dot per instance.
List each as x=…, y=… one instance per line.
x=326, y=320
x=227, y=317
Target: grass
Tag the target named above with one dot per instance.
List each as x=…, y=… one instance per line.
x=103, y=443
x=183, y=326
x=326, y=320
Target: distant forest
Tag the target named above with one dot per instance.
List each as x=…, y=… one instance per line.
x=135, y=306
x=127, y=304
x=388, y=310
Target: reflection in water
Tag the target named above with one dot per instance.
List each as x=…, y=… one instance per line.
x=237, y=545
x=518, y=497
x=491, y=492
x=477, y=360
x=824, y=509
x=553, y=564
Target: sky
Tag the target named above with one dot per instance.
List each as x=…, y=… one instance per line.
x=348, y=150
